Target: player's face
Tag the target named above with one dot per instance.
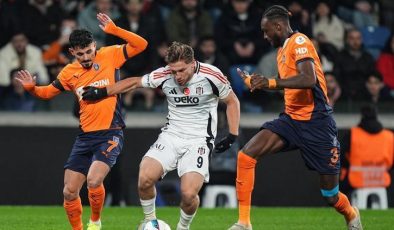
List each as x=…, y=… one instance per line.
x=182, y=71
x=85, y=56
x=271, y=30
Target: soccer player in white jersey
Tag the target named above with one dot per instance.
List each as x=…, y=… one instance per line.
x=193, y=90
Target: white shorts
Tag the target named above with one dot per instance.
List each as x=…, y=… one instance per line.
x=186, y=155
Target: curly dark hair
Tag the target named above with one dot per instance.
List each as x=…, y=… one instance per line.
x=81, y=38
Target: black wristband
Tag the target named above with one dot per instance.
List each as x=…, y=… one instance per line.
x=232, y=137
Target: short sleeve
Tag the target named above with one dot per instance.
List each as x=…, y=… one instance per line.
x=63, y=79
x=155, y=78
x=302, y=48
x=220, y=85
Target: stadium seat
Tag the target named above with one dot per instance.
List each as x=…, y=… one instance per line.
x=214, y=194
x=236, y=81
x=375, y=38
x=360, y=198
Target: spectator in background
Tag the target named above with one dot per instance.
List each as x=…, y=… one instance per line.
x=41, y=21
x=136, y=21
x=334, y=91
x=367, y=152
x=57, y=55
x=325, y=22
x=375, y=90
x=15, y=97
x=207, y=52
x=238, y=34
x=361, y=16
x=326, y=51
x=18, y=53
x=9, y=20
x=265, y=67
x=300, y=19
x=188, y=22
x=385, y=63
x=87, y=18
x=353, y=65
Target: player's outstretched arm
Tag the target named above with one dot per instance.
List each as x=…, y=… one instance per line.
x=92, y=93
x=29, y=84
x=233, y=117
x=135, y=43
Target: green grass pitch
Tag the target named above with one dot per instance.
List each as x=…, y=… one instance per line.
x=52, y=217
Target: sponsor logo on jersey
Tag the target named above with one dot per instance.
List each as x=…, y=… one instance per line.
x=301, y=51
x=173, y=91
x=100, y=83
x=186, y=91
x=187, y=100
x=199, y=90
x=300, y=40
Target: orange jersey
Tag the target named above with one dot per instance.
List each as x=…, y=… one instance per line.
x=302, y=104
x=105, y=113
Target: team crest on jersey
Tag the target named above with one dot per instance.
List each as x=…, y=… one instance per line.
x=201, y=150
x=96, y=66
x=300, y=40
x=199, y=90
x=186, y=91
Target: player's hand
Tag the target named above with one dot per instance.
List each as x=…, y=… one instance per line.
x=106, y=24
x=26, y=80
x=225, y=143
x=258, y=82
x=92, y=93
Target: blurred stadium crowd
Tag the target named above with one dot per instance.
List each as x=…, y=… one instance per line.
x=354, y=39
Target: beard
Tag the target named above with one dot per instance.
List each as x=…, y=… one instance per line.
x=276, y=41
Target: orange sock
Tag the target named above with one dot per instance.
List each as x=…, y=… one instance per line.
x=343, y=206
x=74, y=213
x=245, y=183
x=96, y=200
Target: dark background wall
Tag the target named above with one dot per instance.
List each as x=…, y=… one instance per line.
x=32, y=159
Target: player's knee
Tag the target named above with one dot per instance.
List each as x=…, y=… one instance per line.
x=70, y=193
x=189, y=197
x=332, y=200
x=145, y=182
x=94, y=182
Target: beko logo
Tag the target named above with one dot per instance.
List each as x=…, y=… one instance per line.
x=187, y=99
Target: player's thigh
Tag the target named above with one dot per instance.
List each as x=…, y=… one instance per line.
x=191, y=184
x=264, y=142
x=196, y=159
x=150, y=170
x=163, y=152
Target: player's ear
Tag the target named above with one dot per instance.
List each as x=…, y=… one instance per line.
x=71, y=50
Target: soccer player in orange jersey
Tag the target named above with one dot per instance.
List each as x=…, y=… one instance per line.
x=98, y=145
x=306, y=123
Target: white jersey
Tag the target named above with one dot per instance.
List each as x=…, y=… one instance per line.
x=192, y=108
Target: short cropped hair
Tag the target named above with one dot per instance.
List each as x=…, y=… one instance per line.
x=81, y=38
x=277, y=12
x=179, y=52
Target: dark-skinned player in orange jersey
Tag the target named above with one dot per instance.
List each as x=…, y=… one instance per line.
x=306, y=123
x=101, y=139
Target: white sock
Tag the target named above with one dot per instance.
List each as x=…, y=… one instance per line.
x=149, y=208
x=185, y=220
x=95, y=222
